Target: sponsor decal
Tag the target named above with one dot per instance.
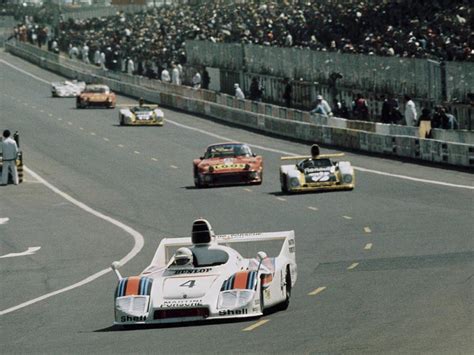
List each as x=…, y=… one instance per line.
x=193, y=271
x=267, y=295
x=291, y=242
x=291, y=249
x=132, y=318
x=181, y=303
x=235, y=312
x=238, y=235
x=228, y=166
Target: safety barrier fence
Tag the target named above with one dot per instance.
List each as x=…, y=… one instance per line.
x=273, y=119
x=418, y=77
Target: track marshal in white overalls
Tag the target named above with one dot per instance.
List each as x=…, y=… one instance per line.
x=9, y=156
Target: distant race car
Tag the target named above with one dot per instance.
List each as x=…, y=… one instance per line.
x=228, y=164
x=67, y=88
x=316, y=172
x=204, y=278
x=96, y=95
x=141, y=115
x=19, y=160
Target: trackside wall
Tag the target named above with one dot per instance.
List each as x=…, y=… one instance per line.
x=271, y=119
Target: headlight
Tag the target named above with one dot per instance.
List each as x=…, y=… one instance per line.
x=347, y=179
x=254, y=175
x=294, y=182
x=134, y=306
x=234, y=299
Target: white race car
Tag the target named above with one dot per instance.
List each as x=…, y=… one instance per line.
x=68, y=88
x=317, y=172
x=203, y=278
x=141, y=115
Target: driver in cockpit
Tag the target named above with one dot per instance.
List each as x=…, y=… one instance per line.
x=183, y=257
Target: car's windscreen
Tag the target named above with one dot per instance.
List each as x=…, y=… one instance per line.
x=143, y=109
x=96, y=90
x=314, y=163
x=227, y=150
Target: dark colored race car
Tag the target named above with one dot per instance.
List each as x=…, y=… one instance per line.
x=228, y=164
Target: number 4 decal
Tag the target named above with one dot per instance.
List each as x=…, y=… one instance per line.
x=189, y=283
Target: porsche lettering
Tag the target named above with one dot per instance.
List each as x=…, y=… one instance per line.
x=182, y=303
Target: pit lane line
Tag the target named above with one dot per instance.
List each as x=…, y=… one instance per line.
x=138, y=239
x=404, y=177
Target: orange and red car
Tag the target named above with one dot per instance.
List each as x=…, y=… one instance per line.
x=229, y=163
x=96, y=95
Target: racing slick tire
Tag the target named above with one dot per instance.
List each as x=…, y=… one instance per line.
x=284, y=305
x=197, y=182
x=262, y=301
x=121, y=122
x=284, y=184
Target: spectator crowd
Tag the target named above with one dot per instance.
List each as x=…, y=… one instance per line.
x=438, y=29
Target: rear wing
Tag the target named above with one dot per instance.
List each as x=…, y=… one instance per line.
x=163, y=255
x=130, y=106
x=299, y=157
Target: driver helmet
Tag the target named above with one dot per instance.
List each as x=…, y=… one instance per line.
x=141, y=101
x=183, y=257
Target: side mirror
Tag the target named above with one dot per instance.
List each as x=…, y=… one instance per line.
x=115, y=265
x=254, y=155
x=201, y=158
x=261, y=255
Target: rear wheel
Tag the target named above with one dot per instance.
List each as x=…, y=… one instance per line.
x=286, y=302
x=284, y=184
x=262, y=301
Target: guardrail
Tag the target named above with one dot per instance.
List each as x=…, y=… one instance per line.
x=295, y=124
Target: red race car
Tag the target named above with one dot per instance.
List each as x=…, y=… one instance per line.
x=228, y=164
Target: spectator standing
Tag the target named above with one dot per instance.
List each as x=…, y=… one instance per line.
x=97, y=57
x=9, y=156
x=287, y=92
x=165, y=76
x=424, y=124
x=256, y=90
x=238, y=92
x=205, y=79
x=360, y=108
x=85, y=53
x=385, y=114
x=130, y=66
x=410, y=111
x=175, y=79
x=197, y=80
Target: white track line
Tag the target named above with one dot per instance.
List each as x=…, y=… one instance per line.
x=138, y=239
x=277, y=150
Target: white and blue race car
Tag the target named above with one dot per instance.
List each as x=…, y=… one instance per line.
x=204, y=278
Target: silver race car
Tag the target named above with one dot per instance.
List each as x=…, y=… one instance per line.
x=204, y=277
x=67, y=88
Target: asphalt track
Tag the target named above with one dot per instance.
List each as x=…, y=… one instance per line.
x=386, y=268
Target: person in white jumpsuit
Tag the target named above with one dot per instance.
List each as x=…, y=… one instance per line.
x=9, y=156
